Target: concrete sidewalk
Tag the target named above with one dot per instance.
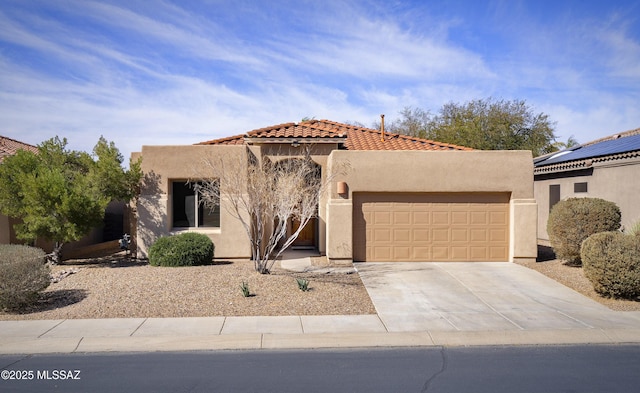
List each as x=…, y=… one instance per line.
x=216, y=333
x=417, y=304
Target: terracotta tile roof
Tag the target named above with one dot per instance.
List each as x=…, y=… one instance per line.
x=9, y=147
x=353, y=137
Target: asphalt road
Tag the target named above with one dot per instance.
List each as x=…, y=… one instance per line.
x=595, y=368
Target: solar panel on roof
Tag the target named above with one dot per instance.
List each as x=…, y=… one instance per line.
x=614, y=146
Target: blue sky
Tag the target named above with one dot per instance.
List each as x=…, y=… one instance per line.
x=163, y=72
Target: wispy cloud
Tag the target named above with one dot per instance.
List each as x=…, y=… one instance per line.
x=174, y=73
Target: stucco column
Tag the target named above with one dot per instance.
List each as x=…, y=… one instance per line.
x=339, y=231
x=152, y=221
x=524, y=221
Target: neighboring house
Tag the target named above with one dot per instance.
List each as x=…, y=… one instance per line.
x=607, y=168
x=400, y=198
x=113, y=228
x=9, y=147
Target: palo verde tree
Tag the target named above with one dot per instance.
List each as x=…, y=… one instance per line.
x=265, y=196
x=484, y=124
x=59, y=194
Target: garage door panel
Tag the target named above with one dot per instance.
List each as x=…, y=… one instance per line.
x=498, y=218
x=402, y=218
x=382, y=235
x=402, y=253
x=431, y=227
x=460, y=218
x=478, y=234
x=459, y=235
x=440, y=253
x=440, y=234
x=479, y=218
x=402, y=235
x=382, y=217
x=440, y=218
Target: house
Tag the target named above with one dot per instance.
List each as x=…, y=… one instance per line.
x=607, y=168
x=400, y=198
x=9, y=147
x=96, y=239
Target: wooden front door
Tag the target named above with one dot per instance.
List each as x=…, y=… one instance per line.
x=307, y=237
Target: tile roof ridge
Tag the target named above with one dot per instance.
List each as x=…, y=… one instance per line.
x=400, y=136
x=220, y=140
x=3, y=138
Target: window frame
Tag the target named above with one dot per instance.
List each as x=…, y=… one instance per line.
x=197, y=206
x=580, y=187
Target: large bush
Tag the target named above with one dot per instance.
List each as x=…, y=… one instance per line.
x=185, y=249
x=573, y=220
x=23, y=275
x=611, y=261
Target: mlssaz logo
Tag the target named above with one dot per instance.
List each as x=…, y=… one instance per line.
x=59, y=374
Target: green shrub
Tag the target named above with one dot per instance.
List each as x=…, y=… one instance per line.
x=23, y=275
x=185, y=249
x=573, y=220
x=611, y=261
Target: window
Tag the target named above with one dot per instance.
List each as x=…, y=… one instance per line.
x=189, y=211
x=554, y=195
x=580, y=187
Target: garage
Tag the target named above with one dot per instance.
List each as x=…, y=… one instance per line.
x=431, y=227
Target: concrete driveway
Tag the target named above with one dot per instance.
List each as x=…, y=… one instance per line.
x=480, y=297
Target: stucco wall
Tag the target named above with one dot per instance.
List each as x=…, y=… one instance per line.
x=615, y=181
x=161, y=165
x=363, y=171
x=433, y=171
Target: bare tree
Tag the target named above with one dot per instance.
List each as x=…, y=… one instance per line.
x=264, y=195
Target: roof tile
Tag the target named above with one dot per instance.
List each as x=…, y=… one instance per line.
x=9, y=147
x=357, y=138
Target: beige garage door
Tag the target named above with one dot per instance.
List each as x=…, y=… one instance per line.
x=431, y=227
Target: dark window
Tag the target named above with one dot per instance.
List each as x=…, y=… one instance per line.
x=189, y=211
x=580, y=187
x=554, y=195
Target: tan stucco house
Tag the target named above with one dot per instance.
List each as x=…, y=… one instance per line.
x=607, y=168
x=399, y=198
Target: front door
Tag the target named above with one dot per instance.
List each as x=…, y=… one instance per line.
x=307, y=237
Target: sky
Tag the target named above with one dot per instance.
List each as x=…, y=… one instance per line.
x=181, y=72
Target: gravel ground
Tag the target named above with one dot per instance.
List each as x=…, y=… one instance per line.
x=116, y=288
x=574, y=278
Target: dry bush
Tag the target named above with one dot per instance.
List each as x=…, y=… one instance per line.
x=23, y=275
x=264, y=195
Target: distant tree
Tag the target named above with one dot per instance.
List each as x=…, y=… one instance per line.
x=571, y=142
x=59, y=194
x=484, y=124
x=413, y=122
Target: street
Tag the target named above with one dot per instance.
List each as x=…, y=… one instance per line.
x=594, y=368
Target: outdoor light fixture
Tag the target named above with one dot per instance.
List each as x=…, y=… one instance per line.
x=342, y=188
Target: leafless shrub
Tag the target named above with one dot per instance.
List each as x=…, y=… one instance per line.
x=264, y=195
x=23, y=275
